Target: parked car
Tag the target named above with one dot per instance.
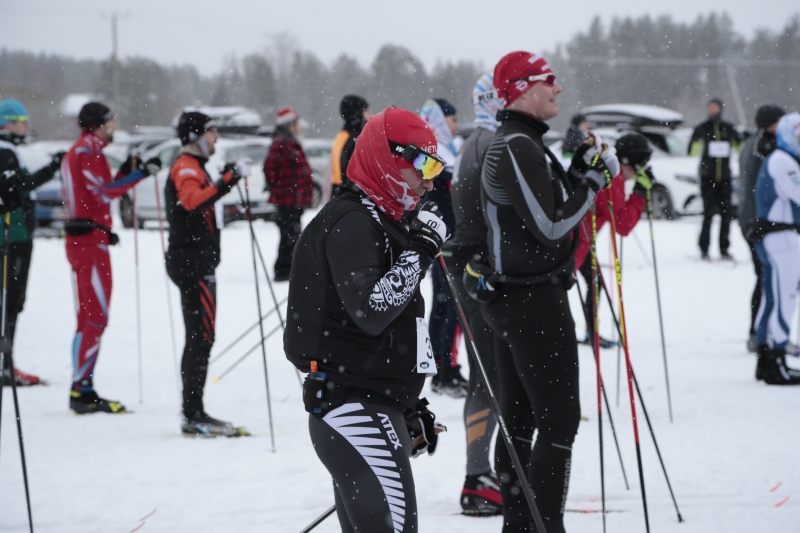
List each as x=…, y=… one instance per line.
x=229, y=148
x=677, y=188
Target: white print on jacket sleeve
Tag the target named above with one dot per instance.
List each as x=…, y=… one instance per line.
x=398, y=284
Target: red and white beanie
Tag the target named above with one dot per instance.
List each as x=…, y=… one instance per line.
x=286, y=115
x=512, y=68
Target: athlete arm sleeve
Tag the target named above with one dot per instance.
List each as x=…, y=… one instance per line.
x=627, y=212
x=371, y=295
x=123, y=184
x=786, y=175
x=192, y=189
x=529, y=186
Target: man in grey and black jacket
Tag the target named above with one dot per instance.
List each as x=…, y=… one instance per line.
x=755, y=151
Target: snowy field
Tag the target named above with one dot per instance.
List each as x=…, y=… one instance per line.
x=731, y=452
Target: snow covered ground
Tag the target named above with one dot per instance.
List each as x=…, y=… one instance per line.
x=731, y=453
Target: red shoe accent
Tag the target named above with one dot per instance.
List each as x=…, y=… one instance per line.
x=487, y=493
x=26, y=380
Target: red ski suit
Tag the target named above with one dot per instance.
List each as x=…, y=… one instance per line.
x=626, y=214
x=88, y=191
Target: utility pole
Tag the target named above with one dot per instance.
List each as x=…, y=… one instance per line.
x=115, y=66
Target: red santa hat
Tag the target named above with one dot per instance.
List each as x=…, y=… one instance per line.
x=286, y=115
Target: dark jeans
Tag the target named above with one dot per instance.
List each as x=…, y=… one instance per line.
x=537, y=368
x=716, y=200
x=19, y=263
x=289, y=225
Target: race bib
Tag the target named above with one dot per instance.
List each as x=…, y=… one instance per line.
x=719, y=149
x=218, y=212
x=425, y=362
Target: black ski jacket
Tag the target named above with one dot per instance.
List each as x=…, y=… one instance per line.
x=466, y=192
x=527, y=201
x=754, y=152
x=354, y=300
x=714, y=130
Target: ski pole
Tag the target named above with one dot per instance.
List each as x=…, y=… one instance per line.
x=619, y=345
x=243, y=357
x=319, y=519
x=611, y=423
x=243, y=335
x=258, y=303
x=644, y=407
x=472, y=349
x=138, y=295
x=596, y=348
x=249, y=216
x=178, y=379
x=5, y=351
x=658, y=299
x=624, y=339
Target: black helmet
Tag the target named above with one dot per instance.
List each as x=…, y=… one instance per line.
x=633, y=149
x=768, y=114
x=193, y=124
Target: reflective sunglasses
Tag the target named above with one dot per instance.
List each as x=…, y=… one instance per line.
x=16, y=118
x=428, y=166
x=549, y=78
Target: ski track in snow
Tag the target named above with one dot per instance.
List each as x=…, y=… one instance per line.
x=731, y=453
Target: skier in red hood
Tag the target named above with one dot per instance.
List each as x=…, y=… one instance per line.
x=355, y=321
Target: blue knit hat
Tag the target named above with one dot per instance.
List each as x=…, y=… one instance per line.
x=12, y=111
x=447, y=108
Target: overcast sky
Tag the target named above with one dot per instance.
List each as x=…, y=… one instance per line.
x=203, y=32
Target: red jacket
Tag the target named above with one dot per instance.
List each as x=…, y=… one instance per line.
x=89, y=188
x=287, y=173
x=626, y=214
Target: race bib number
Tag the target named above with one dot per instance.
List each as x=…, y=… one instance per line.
x=425, y=362
x=719, y=149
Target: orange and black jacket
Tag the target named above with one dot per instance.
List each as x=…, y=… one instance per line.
x=193, y=233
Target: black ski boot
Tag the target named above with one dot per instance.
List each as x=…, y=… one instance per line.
x=481, y=495
x=84, y=403
x=448, y=380
x=200, y=424
x=772, y=369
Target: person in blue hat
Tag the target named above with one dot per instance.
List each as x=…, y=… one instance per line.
x=13, y=131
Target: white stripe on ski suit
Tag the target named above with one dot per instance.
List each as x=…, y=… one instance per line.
x=392, y=489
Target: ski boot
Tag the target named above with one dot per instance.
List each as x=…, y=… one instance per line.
x=481, y=495
x=201, y=425
x=22, y=379
x=752, y=344
x=84, y=403
x=449, y=381
x=605, y=344
x=772, y=369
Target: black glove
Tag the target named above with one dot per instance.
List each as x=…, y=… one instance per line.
x=229, y=178
x=423, y=428
x=55, y=161
x=475, y=281
x=428, y=230
x=152, y=166
x=10, y=191
x=599, y=175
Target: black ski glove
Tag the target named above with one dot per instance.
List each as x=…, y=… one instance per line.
x=55, y=161
x=423, y=428
x=230, y=177
x=10, y=191
x=152, y=166
x=428, y=230
x=475, y=279
x=602, y=169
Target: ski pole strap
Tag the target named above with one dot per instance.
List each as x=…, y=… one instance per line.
x=82, y=226
x=760, y=228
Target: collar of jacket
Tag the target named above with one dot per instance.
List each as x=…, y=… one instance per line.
x=193, y=150
x=7, y=136
x=507, y=115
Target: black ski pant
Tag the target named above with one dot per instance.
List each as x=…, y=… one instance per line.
x=537, y=368
x=479, y=420
x=755, y=300
x=588, y=308
x=199, y=304
x=289, y=225
x=366, y=448
x=716, y=201
x=19, y=263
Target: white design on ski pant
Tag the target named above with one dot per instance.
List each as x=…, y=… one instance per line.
x=779, y=252
x=341, y=420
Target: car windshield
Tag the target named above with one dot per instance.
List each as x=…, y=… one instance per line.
x=256, y=152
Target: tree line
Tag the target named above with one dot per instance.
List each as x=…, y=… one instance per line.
x=645, y=60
